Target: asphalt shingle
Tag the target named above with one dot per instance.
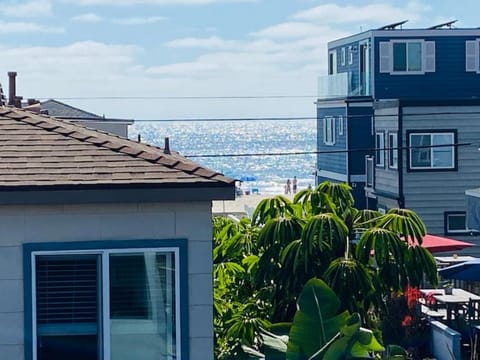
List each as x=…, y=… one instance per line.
x=37, y=150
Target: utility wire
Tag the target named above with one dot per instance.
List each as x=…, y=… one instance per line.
x=328, y=151
x=231, y=119
x=288, y=118
x=200, y=97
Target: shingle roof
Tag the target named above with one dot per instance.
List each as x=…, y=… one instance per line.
x=37, y=150
x=60, y=109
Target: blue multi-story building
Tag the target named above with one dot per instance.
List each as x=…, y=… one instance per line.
x=393, y=101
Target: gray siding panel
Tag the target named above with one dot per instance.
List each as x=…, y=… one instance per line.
x=386, y=179
x=92, y=222
x=431, y=194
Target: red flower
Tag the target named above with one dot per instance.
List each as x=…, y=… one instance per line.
x=412, y=294
x=407, y=320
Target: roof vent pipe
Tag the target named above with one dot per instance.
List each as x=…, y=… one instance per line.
x=12, y=88
x=166, y=148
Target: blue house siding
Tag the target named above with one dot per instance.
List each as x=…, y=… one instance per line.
x=440, y=76
x=359, y=137
x=333, y=162
x=449, y=81
x=360, y=142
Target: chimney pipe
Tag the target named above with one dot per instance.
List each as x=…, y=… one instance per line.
x=12, y=88
x=166, y=148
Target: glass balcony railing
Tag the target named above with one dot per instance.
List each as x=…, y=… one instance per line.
x=342, y=85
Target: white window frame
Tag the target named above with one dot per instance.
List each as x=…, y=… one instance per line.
x=329, y=130
x=448, y=215
x=105, y=303
x=350, y=55
x=393, y=150
x=431, y=150
x=340, y=125
x=427, y=57
x=379, y=149
x=343, y=56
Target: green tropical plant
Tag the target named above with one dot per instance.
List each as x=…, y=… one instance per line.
x=266, y=261
x=320, y=330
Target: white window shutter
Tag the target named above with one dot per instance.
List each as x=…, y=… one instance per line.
x=386, y=61
x=333, y=130
x=471, y=55
x=428, y=52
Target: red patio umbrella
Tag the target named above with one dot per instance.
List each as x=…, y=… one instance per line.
x=442, y=244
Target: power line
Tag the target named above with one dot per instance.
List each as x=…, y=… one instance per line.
x=293, y=118
x=328, y=151
x=231, y=119
x=192, y=97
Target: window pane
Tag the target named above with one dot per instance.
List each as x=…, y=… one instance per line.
x=399, y=57
x=380, y=149
x=414, y=56
x=457, y=222
x=393, y=143
x=420, y=157
x=67, y=307
x=142, y=306
x=129, y=296
x=442, y=156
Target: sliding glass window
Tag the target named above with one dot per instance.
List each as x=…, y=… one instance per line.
x=106, y=304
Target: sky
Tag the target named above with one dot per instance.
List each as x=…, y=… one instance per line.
x=162, y=59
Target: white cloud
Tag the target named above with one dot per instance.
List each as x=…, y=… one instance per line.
x=376, y=13
x=24, y=27
x=76, y=60
x=151, y=2
x=139, y=20
x=212, y=42
x=183, y=69
x=88, y=18
x=33, y=8
x=292, y=30
x=285, y=58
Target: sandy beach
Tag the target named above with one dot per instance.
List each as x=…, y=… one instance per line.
x=241, y=206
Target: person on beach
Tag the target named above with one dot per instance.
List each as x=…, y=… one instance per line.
x=288, y=189
x=294, y=185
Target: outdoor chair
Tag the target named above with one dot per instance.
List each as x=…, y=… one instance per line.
x=473, y=310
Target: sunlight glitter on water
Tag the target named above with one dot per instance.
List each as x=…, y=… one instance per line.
x=242, y=137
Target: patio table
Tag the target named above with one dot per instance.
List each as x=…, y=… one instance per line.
x=453, y=302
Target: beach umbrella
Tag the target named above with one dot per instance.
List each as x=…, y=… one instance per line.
x=442, y=244
x=248, y=178
x=468, y=270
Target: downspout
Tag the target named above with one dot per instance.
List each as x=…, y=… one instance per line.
x=401, y=197
x=347, y=140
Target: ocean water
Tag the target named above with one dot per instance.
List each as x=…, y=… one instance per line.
x=266, y=173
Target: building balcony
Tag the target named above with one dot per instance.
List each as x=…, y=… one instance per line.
x=343, y=84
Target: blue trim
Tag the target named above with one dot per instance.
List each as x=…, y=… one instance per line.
x=181, y=244
x=401, y=161
x=27, y=303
